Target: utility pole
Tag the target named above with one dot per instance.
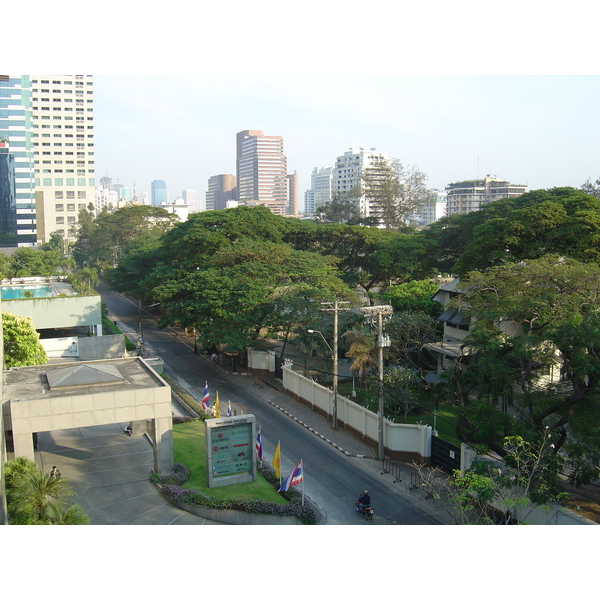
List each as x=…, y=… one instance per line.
x=335, y=307
x=383, y=341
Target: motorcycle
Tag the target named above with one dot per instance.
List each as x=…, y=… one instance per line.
x=365, y=511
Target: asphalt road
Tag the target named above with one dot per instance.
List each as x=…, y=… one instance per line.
x=332, y=480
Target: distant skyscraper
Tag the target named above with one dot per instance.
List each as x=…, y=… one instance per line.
x=467, y=196
x=189, y=197
x=320, y=189
x=292, y=208
x=17, y=175
x=221, y=192
x=158, y=192
x=262, y=171
x=309, y=202
x=63, y=125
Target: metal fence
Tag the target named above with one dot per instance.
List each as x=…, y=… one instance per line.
x=444, y=455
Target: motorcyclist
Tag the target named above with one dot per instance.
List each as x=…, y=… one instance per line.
x=365, y=499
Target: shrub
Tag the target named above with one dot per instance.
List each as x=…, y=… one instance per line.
x=171, y=488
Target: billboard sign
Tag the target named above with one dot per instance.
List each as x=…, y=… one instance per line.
x=230, y=450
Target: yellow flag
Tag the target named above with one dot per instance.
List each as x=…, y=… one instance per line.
x=277, y=460
x=217, y=414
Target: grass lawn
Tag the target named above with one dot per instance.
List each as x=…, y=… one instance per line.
x=190, y=451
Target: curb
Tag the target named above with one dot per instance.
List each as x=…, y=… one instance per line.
x=325, y=439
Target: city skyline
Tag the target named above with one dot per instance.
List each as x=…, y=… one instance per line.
x=540, y=131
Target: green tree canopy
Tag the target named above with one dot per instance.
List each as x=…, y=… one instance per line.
x=394, y=192
x=21, y=342
x=245, y=288
x=555, y=221
x=112, y=234
x=529, y=315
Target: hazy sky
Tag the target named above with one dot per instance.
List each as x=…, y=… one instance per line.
x=458, y=89
x=542, y=131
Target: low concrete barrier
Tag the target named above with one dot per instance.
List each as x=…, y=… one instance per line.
x=232, y=517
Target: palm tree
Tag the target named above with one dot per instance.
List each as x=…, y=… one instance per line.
x=40, y=499
x=362, y=347
x=73, y=515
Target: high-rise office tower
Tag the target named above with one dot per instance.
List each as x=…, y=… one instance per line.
x=17, y=175
x=63, y=128
x=292, y=207
x=262, y=171
x=467, y=196
x=158, y=192
x=222, y=192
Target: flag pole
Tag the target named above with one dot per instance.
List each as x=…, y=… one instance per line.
x=302, y=471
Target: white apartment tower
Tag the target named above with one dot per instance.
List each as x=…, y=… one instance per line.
x=320, y=189
x=63, y=139
x=348, y=172
x=467, y=196
x=262, y=171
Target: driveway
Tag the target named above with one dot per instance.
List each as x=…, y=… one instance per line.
x=109, y=470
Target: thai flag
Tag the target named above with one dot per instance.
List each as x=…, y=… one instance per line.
x=206, y=397
x=294, y=478
x=259, y=445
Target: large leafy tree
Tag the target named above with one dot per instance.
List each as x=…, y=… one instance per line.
x=528, y=316
x=394, y=192
x=344, y=209
x=368, y=257
x=21, y=342
x=249, y=287
x=112, y=234
x=413, y=296
x=561, y=220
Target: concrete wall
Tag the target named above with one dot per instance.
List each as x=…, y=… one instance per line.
x=261, y=362
x=85, y=348
x=98, y=347
x=401, y=442
x=50, y=313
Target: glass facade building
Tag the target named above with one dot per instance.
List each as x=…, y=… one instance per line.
x=17, y=166
x=159, y=192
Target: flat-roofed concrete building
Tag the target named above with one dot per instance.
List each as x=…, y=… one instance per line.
x=347, y=176
x=470, y=195
x=85, y=394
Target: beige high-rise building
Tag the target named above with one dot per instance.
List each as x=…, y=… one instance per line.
x=221, y=192
x=262, y=171
x=292, y=208
x=63, y=137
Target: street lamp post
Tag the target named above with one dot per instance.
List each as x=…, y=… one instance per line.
x=334, y=356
